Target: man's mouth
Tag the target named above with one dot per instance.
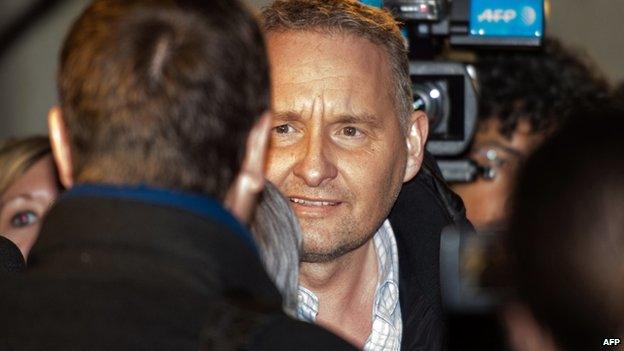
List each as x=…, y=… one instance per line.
x=310, y=202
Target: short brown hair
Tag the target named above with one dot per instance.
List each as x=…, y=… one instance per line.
x=351, y=17
x=163, y=92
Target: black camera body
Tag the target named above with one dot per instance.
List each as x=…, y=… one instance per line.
x=447, y=93
x=473, y=270
x=509, y=23
x=445, y=90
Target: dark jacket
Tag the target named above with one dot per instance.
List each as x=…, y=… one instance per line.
x=424, y=206
x=145, y=270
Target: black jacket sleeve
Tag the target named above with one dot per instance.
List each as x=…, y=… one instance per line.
x=424, y=207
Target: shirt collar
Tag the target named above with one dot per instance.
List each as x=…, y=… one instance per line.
x=308, y=304
x=197, y=204
x=387, y=295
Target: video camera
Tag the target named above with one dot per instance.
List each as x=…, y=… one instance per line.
x=447, y=90
x=473, y=270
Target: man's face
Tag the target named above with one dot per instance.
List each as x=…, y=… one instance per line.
x=337, y=150
x=486, y=200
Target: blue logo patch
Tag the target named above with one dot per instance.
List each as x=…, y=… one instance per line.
x=375, y=3
x=507, y=18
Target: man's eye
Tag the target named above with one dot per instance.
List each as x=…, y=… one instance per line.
x=24, y=219
x=351, y=132
x=284, y=129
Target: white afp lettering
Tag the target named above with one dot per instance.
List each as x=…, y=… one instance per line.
x=497, y=15
x=611, y=342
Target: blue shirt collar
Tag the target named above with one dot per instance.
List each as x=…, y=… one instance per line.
x=201, y=205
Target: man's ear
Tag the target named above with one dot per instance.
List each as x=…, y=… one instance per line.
x=242, y=196
x=59, y=139
x=416, y=138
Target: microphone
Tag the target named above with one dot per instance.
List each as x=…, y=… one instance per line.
x=11, y=259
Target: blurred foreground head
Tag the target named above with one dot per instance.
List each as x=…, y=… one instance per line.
x=566, y=236
x=28, y=186
x=161, y=92
x=278, y=234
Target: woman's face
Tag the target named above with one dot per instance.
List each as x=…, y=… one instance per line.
x=26, y=201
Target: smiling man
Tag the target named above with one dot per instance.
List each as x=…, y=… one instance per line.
x=345, y=140
x=339, y=151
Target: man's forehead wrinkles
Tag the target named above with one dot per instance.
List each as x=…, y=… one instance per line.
x=317, y=105
x=327, y=90
x=330, y=79
x=305, y=77
x=325, y=105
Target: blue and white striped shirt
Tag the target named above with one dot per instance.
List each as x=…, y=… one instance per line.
x=386, y=314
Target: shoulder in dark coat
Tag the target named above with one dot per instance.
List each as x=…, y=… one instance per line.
x=424, y=207
x=117, y=274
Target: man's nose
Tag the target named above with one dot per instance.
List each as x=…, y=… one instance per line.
x=314, y=167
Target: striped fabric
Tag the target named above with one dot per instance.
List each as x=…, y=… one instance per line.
x=386, y=315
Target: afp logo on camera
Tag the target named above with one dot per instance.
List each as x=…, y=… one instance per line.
x=611, y=342
x=512, y=18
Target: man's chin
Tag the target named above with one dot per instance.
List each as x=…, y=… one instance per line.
x=316, y=255
x=321, y=257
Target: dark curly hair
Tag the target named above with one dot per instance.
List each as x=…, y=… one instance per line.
x=541, y=86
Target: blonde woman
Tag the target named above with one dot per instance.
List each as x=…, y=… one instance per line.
x=28, y=186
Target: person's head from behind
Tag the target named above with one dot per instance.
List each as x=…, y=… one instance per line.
x=566, y=238
x=345, y=137
x=28, y=186
x=525, y=96
x=277, y=232
x=162, y=93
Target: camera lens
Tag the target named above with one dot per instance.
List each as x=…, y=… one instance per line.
x=445, y=91
x=432, y=98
